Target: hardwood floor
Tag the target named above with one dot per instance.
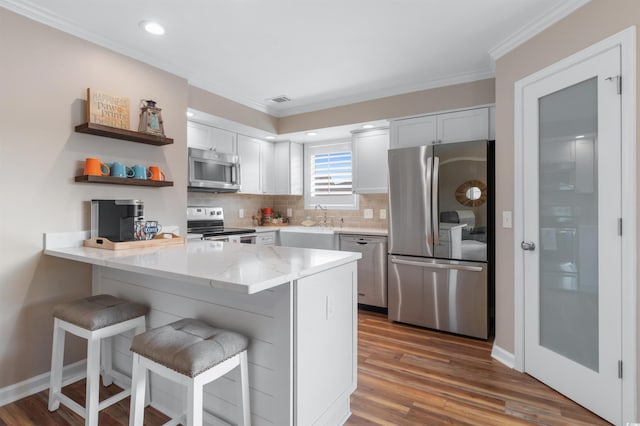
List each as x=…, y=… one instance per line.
x=412, y=376
x=406, y=376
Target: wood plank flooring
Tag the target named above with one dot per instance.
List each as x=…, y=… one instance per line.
x=411, y=376
x=406, y=376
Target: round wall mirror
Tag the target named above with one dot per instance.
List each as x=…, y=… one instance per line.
x=472, y=193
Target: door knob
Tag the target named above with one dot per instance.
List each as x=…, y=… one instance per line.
x=528, y=245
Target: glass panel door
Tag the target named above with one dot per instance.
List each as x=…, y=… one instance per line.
x=568, y=203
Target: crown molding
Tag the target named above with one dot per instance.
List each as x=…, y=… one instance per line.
x=535, y=27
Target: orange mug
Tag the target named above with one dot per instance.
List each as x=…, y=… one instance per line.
x=95, y=167
x=156, y=173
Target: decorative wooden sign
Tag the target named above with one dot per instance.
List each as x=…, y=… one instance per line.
x=107, y=110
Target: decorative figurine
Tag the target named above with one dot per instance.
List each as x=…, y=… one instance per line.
x=150, y=118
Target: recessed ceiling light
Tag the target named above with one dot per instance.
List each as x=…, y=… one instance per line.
x=270, y=137
x=152, y=27
x=190, y=114
x=368, y=126
x=579, y=136
x=312, y=134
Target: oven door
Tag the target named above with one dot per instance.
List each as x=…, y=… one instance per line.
x=213, y=172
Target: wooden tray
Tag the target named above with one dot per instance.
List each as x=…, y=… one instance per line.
x=275, y=224
x=160, y=240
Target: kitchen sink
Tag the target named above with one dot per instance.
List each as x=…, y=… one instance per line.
x=308, y=237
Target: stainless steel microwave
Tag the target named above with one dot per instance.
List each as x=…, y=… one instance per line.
x=213, y=171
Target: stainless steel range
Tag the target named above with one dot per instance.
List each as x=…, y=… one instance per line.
x=208, y=223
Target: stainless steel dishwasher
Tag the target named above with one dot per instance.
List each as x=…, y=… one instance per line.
x=372, y=268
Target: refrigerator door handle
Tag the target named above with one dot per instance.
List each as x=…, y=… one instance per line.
x=438, y=265
x=428, y=221
x=435, y=220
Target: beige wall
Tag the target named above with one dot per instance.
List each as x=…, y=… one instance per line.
x=45, y=74
x=426, y=101
x=218, y=106
x=588, y=25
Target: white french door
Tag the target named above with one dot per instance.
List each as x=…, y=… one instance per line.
x=572, y=243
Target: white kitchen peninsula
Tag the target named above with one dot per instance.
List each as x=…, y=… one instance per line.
x=298, y=306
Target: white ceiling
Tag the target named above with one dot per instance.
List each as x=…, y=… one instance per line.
x=319, y=53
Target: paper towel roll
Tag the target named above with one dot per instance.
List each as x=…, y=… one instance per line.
x=468, y=218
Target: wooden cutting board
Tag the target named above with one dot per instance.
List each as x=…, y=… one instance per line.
x=159, y=240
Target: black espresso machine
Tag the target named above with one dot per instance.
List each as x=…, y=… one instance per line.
x=115, y=219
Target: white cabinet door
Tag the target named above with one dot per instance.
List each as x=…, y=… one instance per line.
x=267, y=167
x=370, y=168
x=206, y=137
x=223, y=140
x=250, y=173
x=413, y=132
x=288, y=161
x=459, y=126
x=198, y=136
x=296, y=169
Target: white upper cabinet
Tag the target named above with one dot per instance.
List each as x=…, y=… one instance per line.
x=249, y=150
x=257, y=165
x=468, y=125
x=414, y=131
x=207, y=137
x=458, y=126
x=288, y=168
x=267, y=167
x=492, y=123
x=370, y=168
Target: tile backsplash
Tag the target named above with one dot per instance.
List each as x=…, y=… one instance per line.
x=233, y=203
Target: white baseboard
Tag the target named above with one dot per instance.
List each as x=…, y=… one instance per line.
x=71, y=373
x=501, y=355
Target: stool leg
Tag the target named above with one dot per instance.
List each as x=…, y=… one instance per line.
x=244, y=410
x=93, y=381
x=57, y=355
x=141, y=328
x=107, y=360
x=138, y=386
x=194, y=403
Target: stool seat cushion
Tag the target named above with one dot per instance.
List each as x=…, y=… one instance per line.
x=95, y=312
x=189, y=346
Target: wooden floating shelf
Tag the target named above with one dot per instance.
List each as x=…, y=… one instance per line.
x=123, y=181
x=123, y=134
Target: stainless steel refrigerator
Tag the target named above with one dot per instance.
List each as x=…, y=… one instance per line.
x=440, y=236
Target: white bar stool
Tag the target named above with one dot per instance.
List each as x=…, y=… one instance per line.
x=93, y=318
x=192, y=353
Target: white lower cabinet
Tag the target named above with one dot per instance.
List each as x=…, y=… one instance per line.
x=370, y=168
x=457, y=126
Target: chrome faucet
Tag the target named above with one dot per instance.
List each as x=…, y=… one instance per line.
x=324, y=214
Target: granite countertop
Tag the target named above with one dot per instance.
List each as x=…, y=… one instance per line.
x=245, y=268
